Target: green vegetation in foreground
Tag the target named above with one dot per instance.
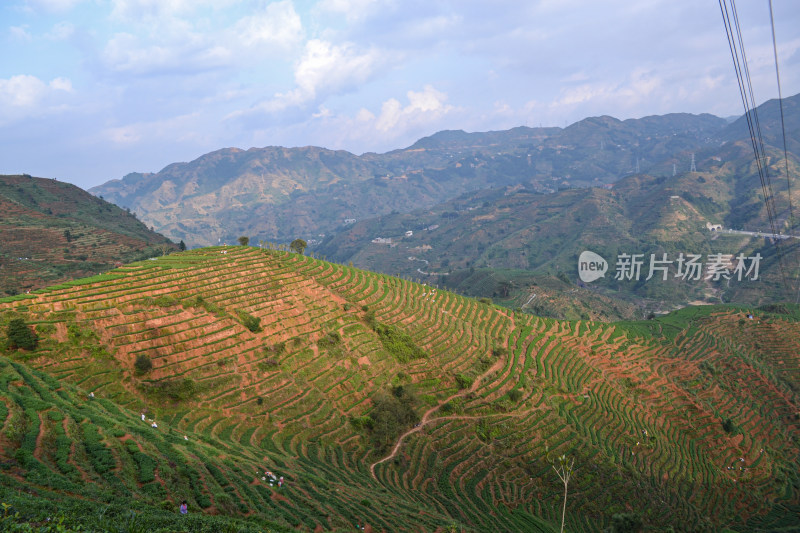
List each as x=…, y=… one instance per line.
x=665, y=418
x=52, y=512
x=54, y=493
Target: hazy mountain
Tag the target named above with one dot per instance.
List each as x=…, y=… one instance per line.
x=279, y=194
x=53, y=231
x=520, y=229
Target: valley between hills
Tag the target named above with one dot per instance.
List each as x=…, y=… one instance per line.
x=384, y=404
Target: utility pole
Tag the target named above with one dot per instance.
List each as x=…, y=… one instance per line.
x=692, y=168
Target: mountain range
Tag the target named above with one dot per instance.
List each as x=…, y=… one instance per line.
x=517, y=232
x=278, y=194
x=517, y=205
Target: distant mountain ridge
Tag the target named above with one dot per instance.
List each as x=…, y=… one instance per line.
x=279, y=194
x=652, y=212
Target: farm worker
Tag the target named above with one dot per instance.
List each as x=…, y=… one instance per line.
x=91, y=395
x=184, y=507
x=154, y=425
x=142, y=417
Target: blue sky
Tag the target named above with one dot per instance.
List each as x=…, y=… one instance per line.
x=93, y=89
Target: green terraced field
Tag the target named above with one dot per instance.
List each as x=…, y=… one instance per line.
x=640, y=406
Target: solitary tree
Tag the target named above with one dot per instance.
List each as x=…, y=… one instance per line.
x=20, y=335
x=182, y=246
x=244, y=241
x=505, y=287
x=626, y=523
x=563, y=467
x=143, y=364
x=298, y=245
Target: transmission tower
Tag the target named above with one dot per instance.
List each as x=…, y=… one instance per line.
x=674, y=170
x=637, y=165
x=692, y=168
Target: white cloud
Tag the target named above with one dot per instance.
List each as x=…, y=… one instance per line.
x=173, y=40
x=61, y=30
x=180, y=128
x=433, y=28
x=323, y=112
x=53, y=5
x=61, y=84
x=365, y=115
x=641, y=86
x=20, y=33
x=123, y=135
x=425, y=106
x=149, y=10
x=23, y=96
x=326, y=68
x=351, y=9
x=22, y=90
x=397, y=124
x=278, y=26
x=124, y=53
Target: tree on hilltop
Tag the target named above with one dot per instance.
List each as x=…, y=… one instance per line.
x=244, y=241
x=298, y=245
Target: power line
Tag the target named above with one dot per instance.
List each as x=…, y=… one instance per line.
x=733, y=32
x=783, y=131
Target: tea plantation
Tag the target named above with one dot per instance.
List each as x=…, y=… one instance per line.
x=383, y=404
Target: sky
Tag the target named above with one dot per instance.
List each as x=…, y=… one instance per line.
x=91, y=90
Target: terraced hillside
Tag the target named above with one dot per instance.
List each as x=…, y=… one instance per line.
x=268, y=361
x=53, y=231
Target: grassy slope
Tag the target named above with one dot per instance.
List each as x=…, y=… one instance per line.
x=37, y=251
x=280, y=399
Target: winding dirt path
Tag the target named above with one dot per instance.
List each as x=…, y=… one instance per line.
x=426, y=418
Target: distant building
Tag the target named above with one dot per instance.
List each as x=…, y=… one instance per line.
x=409, y=233
x=349, y=221
x=382, y=240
